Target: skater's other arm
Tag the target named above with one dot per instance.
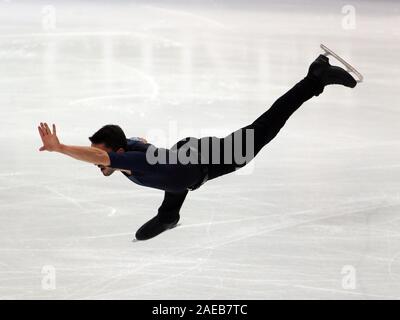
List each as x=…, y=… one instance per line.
x=87, y=154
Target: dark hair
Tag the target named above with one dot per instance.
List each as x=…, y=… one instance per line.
x=111, y=135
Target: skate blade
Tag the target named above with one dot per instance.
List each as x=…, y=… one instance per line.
x=349, y=67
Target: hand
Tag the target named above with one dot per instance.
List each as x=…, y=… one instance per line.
x=143, y=140
x=107, y=171
x=49, y=139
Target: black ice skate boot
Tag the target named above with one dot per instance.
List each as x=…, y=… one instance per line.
x=324, y=74
x=154, y=227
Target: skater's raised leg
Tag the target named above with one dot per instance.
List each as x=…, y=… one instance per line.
x=267, y=126
x=167, y=217
x=320, y=75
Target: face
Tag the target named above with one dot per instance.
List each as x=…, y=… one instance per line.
x=106, y=171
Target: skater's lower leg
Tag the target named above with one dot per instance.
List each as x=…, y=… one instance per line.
x=167, y=217
x=171, y=205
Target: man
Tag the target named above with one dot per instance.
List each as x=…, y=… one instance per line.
x=135, y=158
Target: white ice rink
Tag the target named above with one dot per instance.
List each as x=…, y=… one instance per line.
x=316, y=217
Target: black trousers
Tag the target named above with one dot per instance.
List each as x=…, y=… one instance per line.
x=264, y=129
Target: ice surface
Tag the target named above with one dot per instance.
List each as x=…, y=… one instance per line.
x=321, y=199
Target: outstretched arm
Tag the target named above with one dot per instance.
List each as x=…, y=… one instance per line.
x=87, y=154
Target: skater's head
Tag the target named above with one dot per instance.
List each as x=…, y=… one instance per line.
x=109, y=138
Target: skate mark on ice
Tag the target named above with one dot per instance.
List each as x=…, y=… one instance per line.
x=167, y=278
x=107, y=235
x=211, y=223
x=287, y=225
x=65, y=197
x=79, y=205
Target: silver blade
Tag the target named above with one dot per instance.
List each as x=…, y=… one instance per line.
x=349, y=67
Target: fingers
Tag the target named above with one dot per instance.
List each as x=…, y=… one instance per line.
x=41, y=136
x=47, y=128
x=43, y=129
x=54, y=129
x=40, y=132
